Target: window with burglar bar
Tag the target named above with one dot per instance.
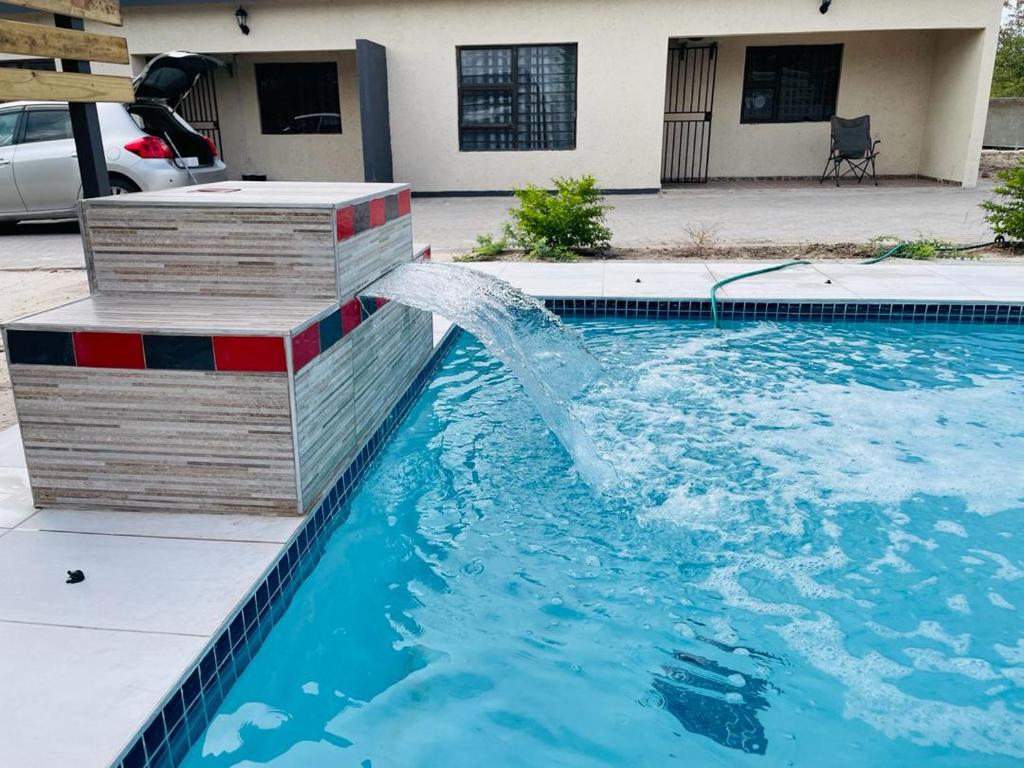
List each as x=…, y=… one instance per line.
x=517, y=97
x=791, y=83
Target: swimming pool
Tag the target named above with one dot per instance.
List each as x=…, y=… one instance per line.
x=814, y=556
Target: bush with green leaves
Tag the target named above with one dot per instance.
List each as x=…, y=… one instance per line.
x=550, y=226
x=561, y=225
x=1006, y=217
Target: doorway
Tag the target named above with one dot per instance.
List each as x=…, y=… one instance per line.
x=689, y=104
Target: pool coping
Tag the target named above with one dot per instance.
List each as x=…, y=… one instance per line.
x=184, y=713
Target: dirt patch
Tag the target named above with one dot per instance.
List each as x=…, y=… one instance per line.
x=995, y=160
x=728, y=252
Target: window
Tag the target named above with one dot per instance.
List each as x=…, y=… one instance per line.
x=298, y=98
x=791, y=83
x=517, y=97
x=47, y=125
x=8, y=124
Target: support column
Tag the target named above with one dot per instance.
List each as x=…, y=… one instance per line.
x=85, y=125
x=372, y=71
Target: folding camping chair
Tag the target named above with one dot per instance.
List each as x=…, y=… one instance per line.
x=851, y=144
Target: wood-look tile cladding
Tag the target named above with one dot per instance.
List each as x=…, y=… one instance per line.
x=343, y=394
x=180, y=441
x=225, y=361
x=233, y=240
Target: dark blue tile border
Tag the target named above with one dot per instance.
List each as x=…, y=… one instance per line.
x=184, y=715
x=815, y=311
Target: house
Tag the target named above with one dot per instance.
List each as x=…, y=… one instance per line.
x=457, y=96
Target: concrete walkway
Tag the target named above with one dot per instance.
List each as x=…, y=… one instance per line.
x=742, y=213
x=892, y=280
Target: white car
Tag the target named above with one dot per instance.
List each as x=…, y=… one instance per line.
x=147, y=144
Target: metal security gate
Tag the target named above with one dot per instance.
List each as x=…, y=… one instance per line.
x=200, y=110
x=689, y=101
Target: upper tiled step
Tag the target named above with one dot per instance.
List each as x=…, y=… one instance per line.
x=256, y=194
x=252, y=239
x=127, y=314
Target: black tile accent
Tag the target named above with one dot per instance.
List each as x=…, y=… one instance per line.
x=40, y=347
x=178, y=353
x=361, y=217
x=367, y=306
x=330, y=330
x=390, y=207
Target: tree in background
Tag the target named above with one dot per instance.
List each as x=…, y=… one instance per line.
x=1008, y=76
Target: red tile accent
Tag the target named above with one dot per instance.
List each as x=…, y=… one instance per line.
x=381, y=301
x=351, y=316
x=377, y=212
x=249, y=353
x=305, y=346
x=404, y=202
x=346, y=223
x=109, y=350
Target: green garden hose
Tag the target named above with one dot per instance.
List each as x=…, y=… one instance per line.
x=734, y=278
x=941, y=249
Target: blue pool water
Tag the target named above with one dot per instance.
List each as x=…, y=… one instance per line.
x=814, y=558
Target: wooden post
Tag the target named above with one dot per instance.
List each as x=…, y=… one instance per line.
x=85, y=125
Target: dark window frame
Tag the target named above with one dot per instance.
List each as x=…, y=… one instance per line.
x=512, y=88
x=257, y=66
x=829, y=109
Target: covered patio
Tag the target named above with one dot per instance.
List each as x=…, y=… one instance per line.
x=758, y=106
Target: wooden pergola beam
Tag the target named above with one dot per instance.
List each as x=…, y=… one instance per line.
x=106, y=11
x=54, y=43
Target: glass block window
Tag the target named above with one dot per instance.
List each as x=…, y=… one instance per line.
x=298, y=98
x=517, y=97
x=791, y=83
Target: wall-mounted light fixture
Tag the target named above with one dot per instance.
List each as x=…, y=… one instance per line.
x=825, y=5
x=242, y=17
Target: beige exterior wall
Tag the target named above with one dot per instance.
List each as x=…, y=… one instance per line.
x=305, y=157
x=885, y=74
x=958, y=105
x=622, y=49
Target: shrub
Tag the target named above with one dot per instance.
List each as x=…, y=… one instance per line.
x=487, y=248
x=558, y=226
x=1007, y=217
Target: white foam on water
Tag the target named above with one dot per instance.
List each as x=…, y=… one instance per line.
x=225, y=732
x=948, y=526
x=869, y=696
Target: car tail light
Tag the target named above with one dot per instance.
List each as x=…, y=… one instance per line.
x=211, y=145
x=150, y=147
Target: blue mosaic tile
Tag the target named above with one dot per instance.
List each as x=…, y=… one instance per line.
x=187, y=711
x=809, y=311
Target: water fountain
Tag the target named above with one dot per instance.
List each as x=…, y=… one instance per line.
x=547, y=357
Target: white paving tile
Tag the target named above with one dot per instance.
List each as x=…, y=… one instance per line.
x=164, y=524
x=441, y=326
x=15, y=497
x=74, y=697
x=657, y=280
x=132, y=583
x=556, y=279
x=11, y=454
x=991, y=281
